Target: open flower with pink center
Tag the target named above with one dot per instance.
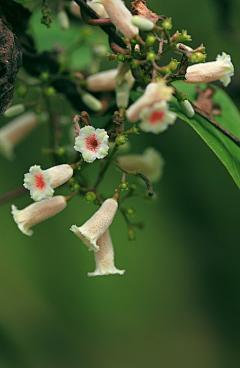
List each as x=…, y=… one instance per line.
x=155, y=119
x=92, y=143
x=41, y=182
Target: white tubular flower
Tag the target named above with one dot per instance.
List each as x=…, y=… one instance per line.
x=155, y=92
x=150, y=163
x=103, y=81
x=41, y=182
x=96, y=226
x=104, y=258
x=16, y=130
x=155, y=119
x=221, y=69
x=92, y=143
x=120, y=16
x=98, y=8
x=37, y=212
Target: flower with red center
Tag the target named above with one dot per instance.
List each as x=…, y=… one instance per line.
x=155, y=119
x=41, y=182
x=92, y=143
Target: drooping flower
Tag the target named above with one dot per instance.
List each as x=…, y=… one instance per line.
x=120, y=16
x=155, y=119
x=155, y=92
x=98, y=8
x=104, y=258
x=150, y=163
x=96, y=226
x=37, y=212
x=92, y=143
x=41, y=182
x=16, y=130
x=221, y=69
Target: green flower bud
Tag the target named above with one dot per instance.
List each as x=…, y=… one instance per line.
x=90, y=197
x=22, y=90
x=60, y=151
x=92, y=102
x=135, y=129
x=75, y=187
x=14, y=110
x=71, y=181
x=124, y=185
x=167, y=24
x=50, y=91
x=120, y=57
x=151, y=56
x=44, y=76
x=198, y=57
x=134, y=63
x=150, y=40
x=143, y=23
x=173, y=65
x=130, y=212
x=131, y=234
x=121, y=139
x=63, y=20
x=181, y=37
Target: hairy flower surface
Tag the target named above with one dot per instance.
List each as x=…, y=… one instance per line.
x=96, y=226
x=92, y=143
x=221, y=69
x=104, y=258
x=106, y=80
x=37, y=212
x=98, y=8
x=16, y=130
x=155, y=92
x=120, y=16
x=41, y=182
x=150, y=163
x=155, y=119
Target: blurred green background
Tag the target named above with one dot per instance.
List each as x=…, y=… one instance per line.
x=178, y=303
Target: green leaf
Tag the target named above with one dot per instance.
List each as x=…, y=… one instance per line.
x=21, y=1
x=226, y=150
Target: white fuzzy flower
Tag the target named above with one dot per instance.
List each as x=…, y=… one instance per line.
x=221, y=69
x=120, y=16
x=155, y=119
x=41, y=182
x=98, y=8
x=37, y=212
x=92, y=143
x=16, y=130
x=150, y=163
x=155, y=92
x=106, y=80
x=104, y=258
x=96, y=226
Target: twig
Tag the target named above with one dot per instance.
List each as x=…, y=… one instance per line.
x=13, y=193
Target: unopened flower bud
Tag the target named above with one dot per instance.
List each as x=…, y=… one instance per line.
x=142, y=23
x=37, y=212
x=120, y=57
x=50, y=91
x=22, y=90
x=14, y=110
x=92, y=102
x=44, y=76
x=63, y=20
x=124, y=185
x=198, y=57
x=167, y=24
x=130, y=212
x=90, y=197
x=150, y=40
x=173, y=65
x=122, y=94
x=151, y=56
x=121, y=139
x=181, y=37
x=131, y=234
x=186, y=108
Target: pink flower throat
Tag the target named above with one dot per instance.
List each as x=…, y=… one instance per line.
x=156, y=117
x=40, y=182
x=92, y=143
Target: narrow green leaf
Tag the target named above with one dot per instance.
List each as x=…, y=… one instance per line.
x=21, y=1
x=226, y=150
